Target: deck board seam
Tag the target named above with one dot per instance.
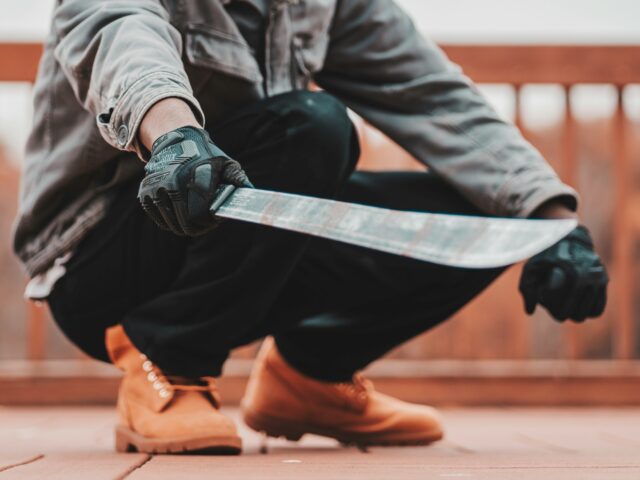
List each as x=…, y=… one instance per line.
x=136, y=466
x=544, y=444
x=35, y=458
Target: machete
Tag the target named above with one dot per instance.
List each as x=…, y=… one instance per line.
x=453, y=240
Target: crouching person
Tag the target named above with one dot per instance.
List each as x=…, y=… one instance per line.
x=143, y=108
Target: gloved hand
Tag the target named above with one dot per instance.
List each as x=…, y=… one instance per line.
x=568, y=279
x=181, y=178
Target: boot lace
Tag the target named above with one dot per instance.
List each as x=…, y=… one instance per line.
x=166, y=384
x=357, y=389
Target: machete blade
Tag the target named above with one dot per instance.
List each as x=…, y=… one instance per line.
x=453, y=240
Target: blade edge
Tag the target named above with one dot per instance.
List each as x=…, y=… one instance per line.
x=274, y=206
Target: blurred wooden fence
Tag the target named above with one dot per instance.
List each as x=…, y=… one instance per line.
x=491, y=353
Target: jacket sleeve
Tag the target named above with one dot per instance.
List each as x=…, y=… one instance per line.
x=402, y=83
x=120, y=57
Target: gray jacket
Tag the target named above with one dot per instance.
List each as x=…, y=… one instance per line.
x=106, y=62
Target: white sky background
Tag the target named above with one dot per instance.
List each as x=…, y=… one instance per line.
x=451, y=21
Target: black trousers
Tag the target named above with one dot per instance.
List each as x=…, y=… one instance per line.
x=332, y=308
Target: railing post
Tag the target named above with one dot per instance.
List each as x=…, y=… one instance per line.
x=517, y=111
x=623, y=260
x=569, y=174
x=36, y=335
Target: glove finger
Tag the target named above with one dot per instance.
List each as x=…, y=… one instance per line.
x=529, y=286
x=530, y=305
x=235, y=175
x=561, y=310
x=583, y=306
x=151, y=210
x=530, y=301
x=557, y=279
x=165, y=208
x=189, y=228
x=200, y=195
x=600, y=302
x=554, y=294
x=532, y=274
x=558, y=294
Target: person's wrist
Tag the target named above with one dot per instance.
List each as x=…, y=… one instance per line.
x=164, y=116
x=554, y=210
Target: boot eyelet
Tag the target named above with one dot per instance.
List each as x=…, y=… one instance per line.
x=152, y=377
x=163, y=393
x=158, y=385
x=147, y=366
x=143, y=356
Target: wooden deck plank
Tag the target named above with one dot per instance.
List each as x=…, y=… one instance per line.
x=547, y=430
x=71, y=466
x=69, y=443
x=40, y=430
x=348, y=464
x=487, y=443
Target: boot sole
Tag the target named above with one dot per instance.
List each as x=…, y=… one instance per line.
x=294, y=430
x=129, y=441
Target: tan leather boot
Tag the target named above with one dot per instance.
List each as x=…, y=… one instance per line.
x=284, y=403
x=159, y=414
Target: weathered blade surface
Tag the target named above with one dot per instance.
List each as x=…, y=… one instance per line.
x=455, y=240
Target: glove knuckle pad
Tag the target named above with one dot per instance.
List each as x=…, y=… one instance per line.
x=181, y=180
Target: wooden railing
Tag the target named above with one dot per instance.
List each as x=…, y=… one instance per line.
x=569, y=66
x=517, y=66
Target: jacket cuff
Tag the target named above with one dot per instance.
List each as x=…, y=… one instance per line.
x=119, y=125
x=566, y=195
x=529, y=202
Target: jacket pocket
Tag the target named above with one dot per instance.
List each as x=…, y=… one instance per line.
x=308, y=59
x=221, y=52
x=310, y=22
x=310, y=52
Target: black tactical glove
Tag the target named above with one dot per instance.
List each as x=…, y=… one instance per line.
x=568, y=279
x=181, y=178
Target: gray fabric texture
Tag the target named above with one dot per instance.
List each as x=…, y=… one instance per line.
x=106, y=62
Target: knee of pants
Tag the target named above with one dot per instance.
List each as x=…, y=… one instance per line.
x=322, y=139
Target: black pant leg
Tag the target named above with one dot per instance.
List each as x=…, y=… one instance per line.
x=115, y=267
x=346, y=306
x=193, y=299
x=186, y=302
